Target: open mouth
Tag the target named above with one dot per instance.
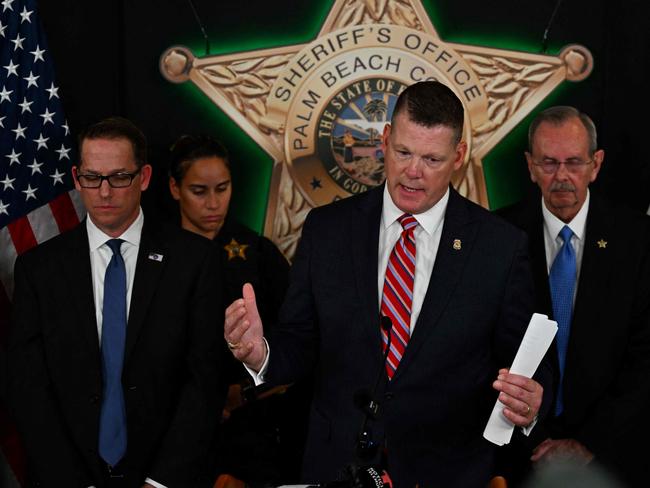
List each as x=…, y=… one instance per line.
x=409, y=189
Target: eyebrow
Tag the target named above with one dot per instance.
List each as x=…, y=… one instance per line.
x=94, y=171
x=198, y=185
x=570, y=158
x=402, y=147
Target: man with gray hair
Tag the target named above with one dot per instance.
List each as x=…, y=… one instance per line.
x=591, y=262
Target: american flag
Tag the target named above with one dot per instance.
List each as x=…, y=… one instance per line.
x=37, y=200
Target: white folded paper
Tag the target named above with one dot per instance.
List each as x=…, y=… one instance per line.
x=536, y=341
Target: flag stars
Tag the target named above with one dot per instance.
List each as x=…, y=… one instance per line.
x=4, y=95
x=38, y=54
x=20, y=131
x=13, y=157
x=63, y=152
x=41, y=141
x=2, y=29
x=18, y=42
x=58, y=177
x=24, y=15
x=3, y=208
x=53, y=91
x=6, y=4
x=1, y=123
x=25, y=106
x=30, y=192
x=7, y=183
x=35, y=167
x=47, y=116
x=65, y=126
x=31, y=80
x=12, y=69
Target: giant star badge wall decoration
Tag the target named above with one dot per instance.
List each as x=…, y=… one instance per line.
x=318, y=109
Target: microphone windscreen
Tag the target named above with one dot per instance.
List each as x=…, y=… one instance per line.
x=371, y=477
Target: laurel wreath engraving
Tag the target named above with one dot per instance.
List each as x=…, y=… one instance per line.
x=292, y=210
x=508, y=84
x=464, y=181
x=396, y=12
x=247, y=83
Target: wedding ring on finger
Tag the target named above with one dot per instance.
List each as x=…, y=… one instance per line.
x=527, y=408
x=236, y=345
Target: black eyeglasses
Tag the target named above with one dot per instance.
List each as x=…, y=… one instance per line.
x=550, y=166
x=115, y=180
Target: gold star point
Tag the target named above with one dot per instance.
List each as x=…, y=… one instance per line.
x=602, y=244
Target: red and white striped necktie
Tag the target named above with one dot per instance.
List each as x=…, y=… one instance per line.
x=397, y=295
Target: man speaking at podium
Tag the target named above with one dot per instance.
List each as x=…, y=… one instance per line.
x=455, y=284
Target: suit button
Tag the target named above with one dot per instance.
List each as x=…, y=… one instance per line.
x=94, y=399
x=389, y=395
x=133, y=388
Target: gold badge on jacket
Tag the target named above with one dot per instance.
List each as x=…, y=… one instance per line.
x=319, y=108
x=235, y=250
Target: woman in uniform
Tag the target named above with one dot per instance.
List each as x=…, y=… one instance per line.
x=261, y=435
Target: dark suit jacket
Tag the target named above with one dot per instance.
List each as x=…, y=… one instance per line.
x=434, y=410
x=607, y=376
x=170, y=367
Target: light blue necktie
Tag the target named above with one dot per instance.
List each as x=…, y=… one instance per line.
x=562, y=279
x=112, y=421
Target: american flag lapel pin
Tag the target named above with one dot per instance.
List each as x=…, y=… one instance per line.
x=156, y=257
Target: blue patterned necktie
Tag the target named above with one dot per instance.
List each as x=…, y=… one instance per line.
x=562, y=280
x=112, y=421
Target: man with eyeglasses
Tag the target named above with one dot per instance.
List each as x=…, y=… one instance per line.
x=591, y=261
x=113, y=356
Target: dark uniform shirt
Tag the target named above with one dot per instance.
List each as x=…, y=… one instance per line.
x=262, y=441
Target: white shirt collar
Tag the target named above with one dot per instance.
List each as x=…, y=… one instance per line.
x=429, y=220
x=577, y=224
x=97, y=238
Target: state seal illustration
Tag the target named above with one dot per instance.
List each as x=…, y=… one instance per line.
x=319, y=109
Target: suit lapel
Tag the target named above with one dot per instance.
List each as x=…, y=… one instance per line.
x=79, y=278
x=364, y=238
x=534, y=227
x=597, y=263
x=456, y=243
x=147, y=273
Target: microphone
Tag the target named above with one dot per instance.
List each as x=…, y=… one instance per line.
x=548, y=26
x=361, y=474
x=198, y=21
x=366, y=401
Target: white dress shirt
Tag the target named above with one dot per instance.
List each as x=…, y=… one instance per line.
x=427, y=239
x=553, y=242
x=100, y=256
